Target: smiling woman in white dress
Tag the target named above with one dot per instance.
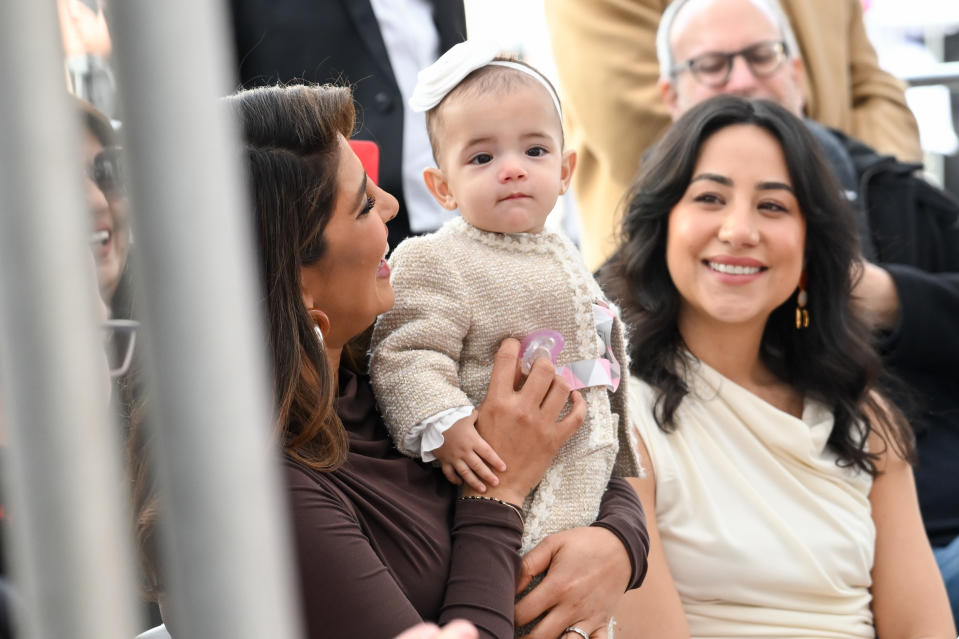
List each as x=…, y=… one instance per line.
x=779, y=492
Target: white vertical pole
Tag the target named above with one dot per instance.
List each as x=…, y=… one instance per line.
x=71, y=550
x=224, y=535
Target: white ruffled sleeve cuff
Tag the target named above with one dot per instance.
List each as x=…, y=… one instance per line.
x=427, y=436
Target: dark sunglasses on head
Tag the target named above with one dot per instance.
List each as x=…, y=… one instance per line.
x=107, y=172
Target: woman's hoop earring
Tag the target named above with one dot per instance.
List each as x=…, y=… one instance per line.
x=802, y=315
x=321, y=324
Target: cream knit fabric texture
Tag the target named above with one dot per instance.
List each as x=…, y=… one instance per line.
x=459, y=293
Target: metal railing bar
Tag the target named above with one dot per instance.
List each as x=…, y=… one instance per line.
x=71, y=552
x=224, y=539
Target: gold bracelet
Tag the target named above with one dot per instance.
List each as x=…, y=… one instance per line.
x=516, y=509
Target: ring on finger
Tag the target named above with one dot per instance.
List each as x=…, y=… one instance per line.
x=582, y=633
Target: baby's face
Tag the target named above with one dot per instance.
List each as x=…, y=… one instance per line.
x=502, y=158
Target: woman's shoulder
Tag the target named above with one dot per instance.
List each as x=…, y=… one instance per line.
x=642, y=397
x=642, y=417
x=314, y=496
x=299, y=476
x=889, y=436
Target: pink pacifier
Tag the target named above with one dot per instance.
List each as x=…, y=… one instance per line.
x=542, y=343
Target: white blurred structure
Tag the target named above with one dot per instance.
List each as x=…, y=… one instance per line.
x=519, y=27
x=897, y=29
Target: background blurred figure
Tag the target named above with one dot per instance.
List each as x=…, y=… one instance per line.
x=606, y=57
x=900, y=31
x=110, y=230
x=110, y=242
x=376, y=47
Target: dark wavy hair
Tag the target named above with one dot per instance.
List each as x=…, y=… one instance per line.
x=832, y=360
x=291, y=136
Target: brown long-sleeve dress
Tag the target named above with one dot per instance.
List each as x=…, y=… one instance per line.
x=382, y=543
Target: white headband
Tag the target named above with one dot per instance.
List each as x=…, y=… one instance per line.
x=435, y=81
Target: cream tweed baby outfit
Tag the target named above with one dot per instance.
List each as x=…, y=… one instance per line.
x=459, y=293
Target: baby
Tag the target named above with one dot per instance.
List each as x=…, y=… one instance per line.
x=496, y=272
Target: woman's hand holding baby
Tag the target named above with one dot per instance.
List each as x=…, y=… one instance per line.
x=522, y=424
x=586, y=572
x=466, y=457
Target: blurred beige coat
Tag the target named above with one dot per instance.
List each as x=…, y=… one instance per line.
x=605, y=51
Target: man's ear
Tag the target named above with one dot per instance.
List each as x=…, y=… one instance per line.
x=667, y=91
x=796, y=70
x=566, y=170
x=439, y=187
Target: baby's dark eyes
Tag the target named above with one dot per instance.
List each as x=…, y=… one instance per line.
x=481, y=158
x=536, y=151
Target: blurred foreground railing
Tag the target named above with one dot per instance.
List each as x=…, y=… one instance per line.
x=223, y=538
x=71, y=555
x=944, y=73
x=224, y=535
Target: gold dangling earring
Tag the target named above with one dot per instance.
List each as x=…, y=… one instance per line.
x=802, y=315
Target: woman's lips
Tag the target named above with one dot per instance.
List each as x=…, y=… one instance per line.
x=383, y=270
x=735, y=270
x=99, y=238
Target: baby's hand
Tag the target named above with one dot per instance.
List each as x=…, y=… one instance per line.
x=465, y=456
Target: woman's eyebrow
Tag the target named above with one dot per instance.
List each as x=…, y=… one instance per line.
x=760, y=186
x=774, y=186
x=481, y=139
x=713, y=177
x=536, y=134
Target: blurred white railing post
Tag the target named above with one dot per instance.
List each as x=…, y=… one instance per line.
x=71, y=550
x=944, y=73
x=224, y=533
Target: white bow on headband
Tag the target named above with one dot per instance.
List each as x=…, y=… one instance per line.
x=435, y=81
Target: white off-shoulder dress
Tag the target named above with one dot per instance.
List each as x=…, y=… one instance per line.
x=765, y=535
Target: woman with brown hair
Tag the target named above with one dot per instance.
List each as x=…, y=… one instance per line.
x=383, y=541
x=779, y=490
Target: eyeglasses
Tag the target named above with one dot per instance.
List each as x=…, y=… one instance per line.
x=713, y=69
x=120, y=336
x=107, y=172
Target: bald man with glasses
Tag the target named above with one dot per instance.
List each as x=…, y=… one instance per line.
x=605, y=52
x=714, y=68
